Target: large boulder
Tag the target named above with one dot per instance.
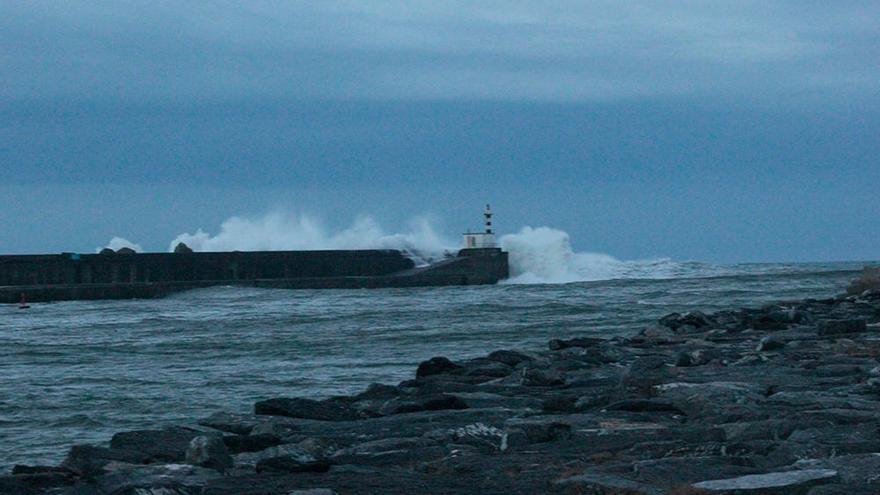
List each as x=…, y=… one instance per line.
x=841, y=327
x=167, y=445
x=870, y=280
x=208, y=451
x=781, y=483
x=436, y=366
x=88, y=461
x=325, y=410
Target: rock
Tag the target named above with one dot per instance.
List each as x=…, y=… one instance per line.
x=88, y=461
x=432, y=403
x=721, y=402
x=695, y=320
x=125, y=250
x=644, y=373
x=168, y=445
x=326, y=410
x=770, y=343
x=161, y=479
x=107, y=251
x=292, y=464
x=35, y=483
x=436, y=366
x=309, y=450
x=210, y=452
x=643, y=405
x=781, y=483
x=510, y=358
x=559, y=405
x=605, y=484
x=182, y=248
x=558, y=344
x=240, y=424
x=250, y=443
x=841, y=327
x=540, y=431
x=696, y=357
x=870, y=280
x=488, y=369
x=535, y=377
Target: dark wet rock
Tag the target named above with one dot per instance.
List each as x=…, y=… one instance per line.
x=325, y=410
x=431, y=403
x=164, y=479
x=770, y=343
x=510, y=358
x=106, y=251
x=436, y=366
x=656, y=335
x=536, y=377
x=479, y=435
x=869, y=281
x=488, y=368
x=167, y=445
x=250, y=443
x=679, y=471
x=696, y=357
x=643, y=405
x=694, y=320
x=559, y=344
x=208, y=451
x=292, y=464
x=645, y=373
x=559, y=404
x=240, y=424
x=540, y=431
x=841, y=327
x=306, y=451
x=781, y=483
x=88, y=460
x=390, y=452
x=35, y=483
x=603, y=484
x=721, y=402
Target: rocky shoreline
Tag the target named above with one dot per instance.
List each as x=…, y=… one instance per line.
x=783, y=399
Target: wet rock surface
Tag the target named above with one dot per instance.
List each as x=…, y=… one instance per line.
x=780, y=399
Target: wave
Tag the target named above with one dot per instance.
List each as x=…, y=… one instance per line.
x=538, y=255
x=543, y=255
x=278, y=231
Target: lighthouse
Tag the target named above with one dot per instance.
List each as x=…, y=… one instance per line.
x=481, y=240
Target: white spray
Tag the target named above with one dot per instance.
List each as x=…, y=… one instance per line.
x=118, y=243
x=540, y=255
x=277, y=231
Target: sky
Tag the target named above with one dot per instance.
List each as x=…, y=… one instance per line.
x=721, y=131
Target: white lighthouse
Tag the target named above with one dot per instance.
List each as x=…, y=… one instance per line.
x=481, y=240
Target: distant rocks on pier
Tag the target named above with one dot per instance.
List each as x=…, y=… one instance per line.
x=783, y=399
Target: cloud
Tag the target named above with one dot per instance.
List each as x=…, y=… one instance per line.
x=545, y=51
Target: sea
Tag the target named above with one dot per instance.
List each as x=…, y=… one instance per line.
x=77, y=372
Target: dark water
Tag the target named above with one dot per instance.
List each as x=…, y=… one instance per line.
x=76, y=372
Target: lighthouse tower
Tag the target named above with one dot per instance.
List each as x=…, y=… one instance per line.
x=480, y=240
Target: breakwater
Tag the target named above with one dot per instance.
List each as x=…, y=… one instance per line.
x=126, y=275
x=774, y=399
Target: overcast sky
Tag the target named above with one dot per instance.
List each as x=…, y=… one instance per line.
x=708, y=130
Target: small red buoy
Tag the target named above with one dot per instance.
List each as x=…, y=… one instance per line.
x=23, y=304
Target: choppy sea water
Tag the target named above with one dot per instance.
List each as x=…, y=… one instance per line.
x=77, y=372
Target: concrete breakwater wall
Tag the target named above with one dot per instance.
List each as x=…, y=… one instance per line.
x=70, y=276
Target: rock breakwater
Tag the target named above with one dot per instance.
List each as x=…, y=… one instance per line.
x=783, y=399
